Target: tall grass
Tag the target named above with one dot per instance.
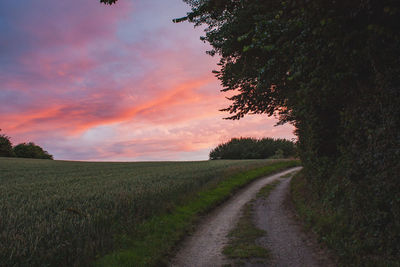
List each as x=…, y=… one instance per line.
x=67, y=213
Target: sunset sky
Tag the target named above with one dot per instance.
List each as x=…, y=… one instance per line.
x=108, y=83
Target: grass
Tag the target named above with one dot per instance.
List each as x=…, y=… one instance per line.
x=69, y=213
x=242, y=239
x=266, y=190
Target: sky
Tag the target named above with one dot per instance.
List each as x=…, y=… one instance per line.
x=87, y=81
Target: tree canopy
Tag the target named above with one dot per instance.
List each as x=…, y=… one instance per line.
x=23, y=150
x=108, y=2
x=304, y=61
x=316, y=64
x=31, y=150
x=6, y=149
x=251, y=148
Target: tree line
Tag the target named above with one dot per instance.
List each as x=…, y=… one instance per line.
x=252, y=148
x=23, y=150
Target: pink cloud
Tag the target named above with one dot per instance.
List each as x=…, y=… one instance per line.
x=153, y=94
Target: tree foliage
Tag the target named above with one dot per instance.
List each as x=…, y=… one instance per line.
x=251, y=148
x=5, y=146
x=30, y=150
x=23, y=150
x=332, y=69
x=108, y=2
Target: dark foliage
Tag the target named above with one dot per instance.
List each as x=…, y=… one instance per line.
x=251, y=148
x=332, y=69
x=30, y=150
x=5, y=146
x=23, y=150
x=108, y=2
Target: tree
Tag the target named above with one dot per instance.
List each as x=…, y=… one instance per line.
x=5, y=146
x=108, y=2
x=304, y=61
x=30, y=150
x=251, y=148
x=332, y=69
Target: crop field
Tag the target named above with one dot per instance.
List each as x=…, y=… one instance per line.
x=68, y=213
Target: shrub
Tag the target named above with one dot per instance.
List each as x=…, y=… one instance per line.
x=30, y=150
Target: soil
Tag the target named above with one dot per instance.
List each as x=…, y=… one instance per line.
x=285, y=238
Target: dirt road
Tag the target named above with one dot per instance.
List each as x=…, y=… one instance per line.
x=204, y=247
x=285, y=238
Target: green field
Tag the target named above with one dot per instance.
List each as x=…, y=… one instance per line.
x=69, y=213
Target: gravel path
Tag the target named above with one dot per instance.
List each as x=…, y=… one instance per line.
x=288, y=244
x=204, y=247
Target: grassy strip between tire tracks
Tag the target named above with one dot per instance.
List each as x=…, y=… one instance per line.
x=242, y=239
x=156, y=238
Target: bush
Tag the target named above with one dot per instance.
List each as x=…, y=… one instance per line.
x=5, y=146
x=30, y=150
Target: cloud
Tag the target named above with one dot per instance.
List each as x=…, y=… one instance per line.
x=91, y=82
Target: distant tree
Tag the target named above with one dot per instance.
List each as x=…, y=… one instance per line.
x=251, y=148
x=5, y=146
x=108, y=2
x=31, y=150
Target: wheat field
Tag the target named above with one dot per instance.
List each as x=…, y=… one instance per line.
x=67, y=213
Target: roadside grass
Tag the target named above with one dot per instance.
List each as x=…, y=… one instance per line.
x=155, y=240
x=334, y=228
x=68, y=213
x=242, y=239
